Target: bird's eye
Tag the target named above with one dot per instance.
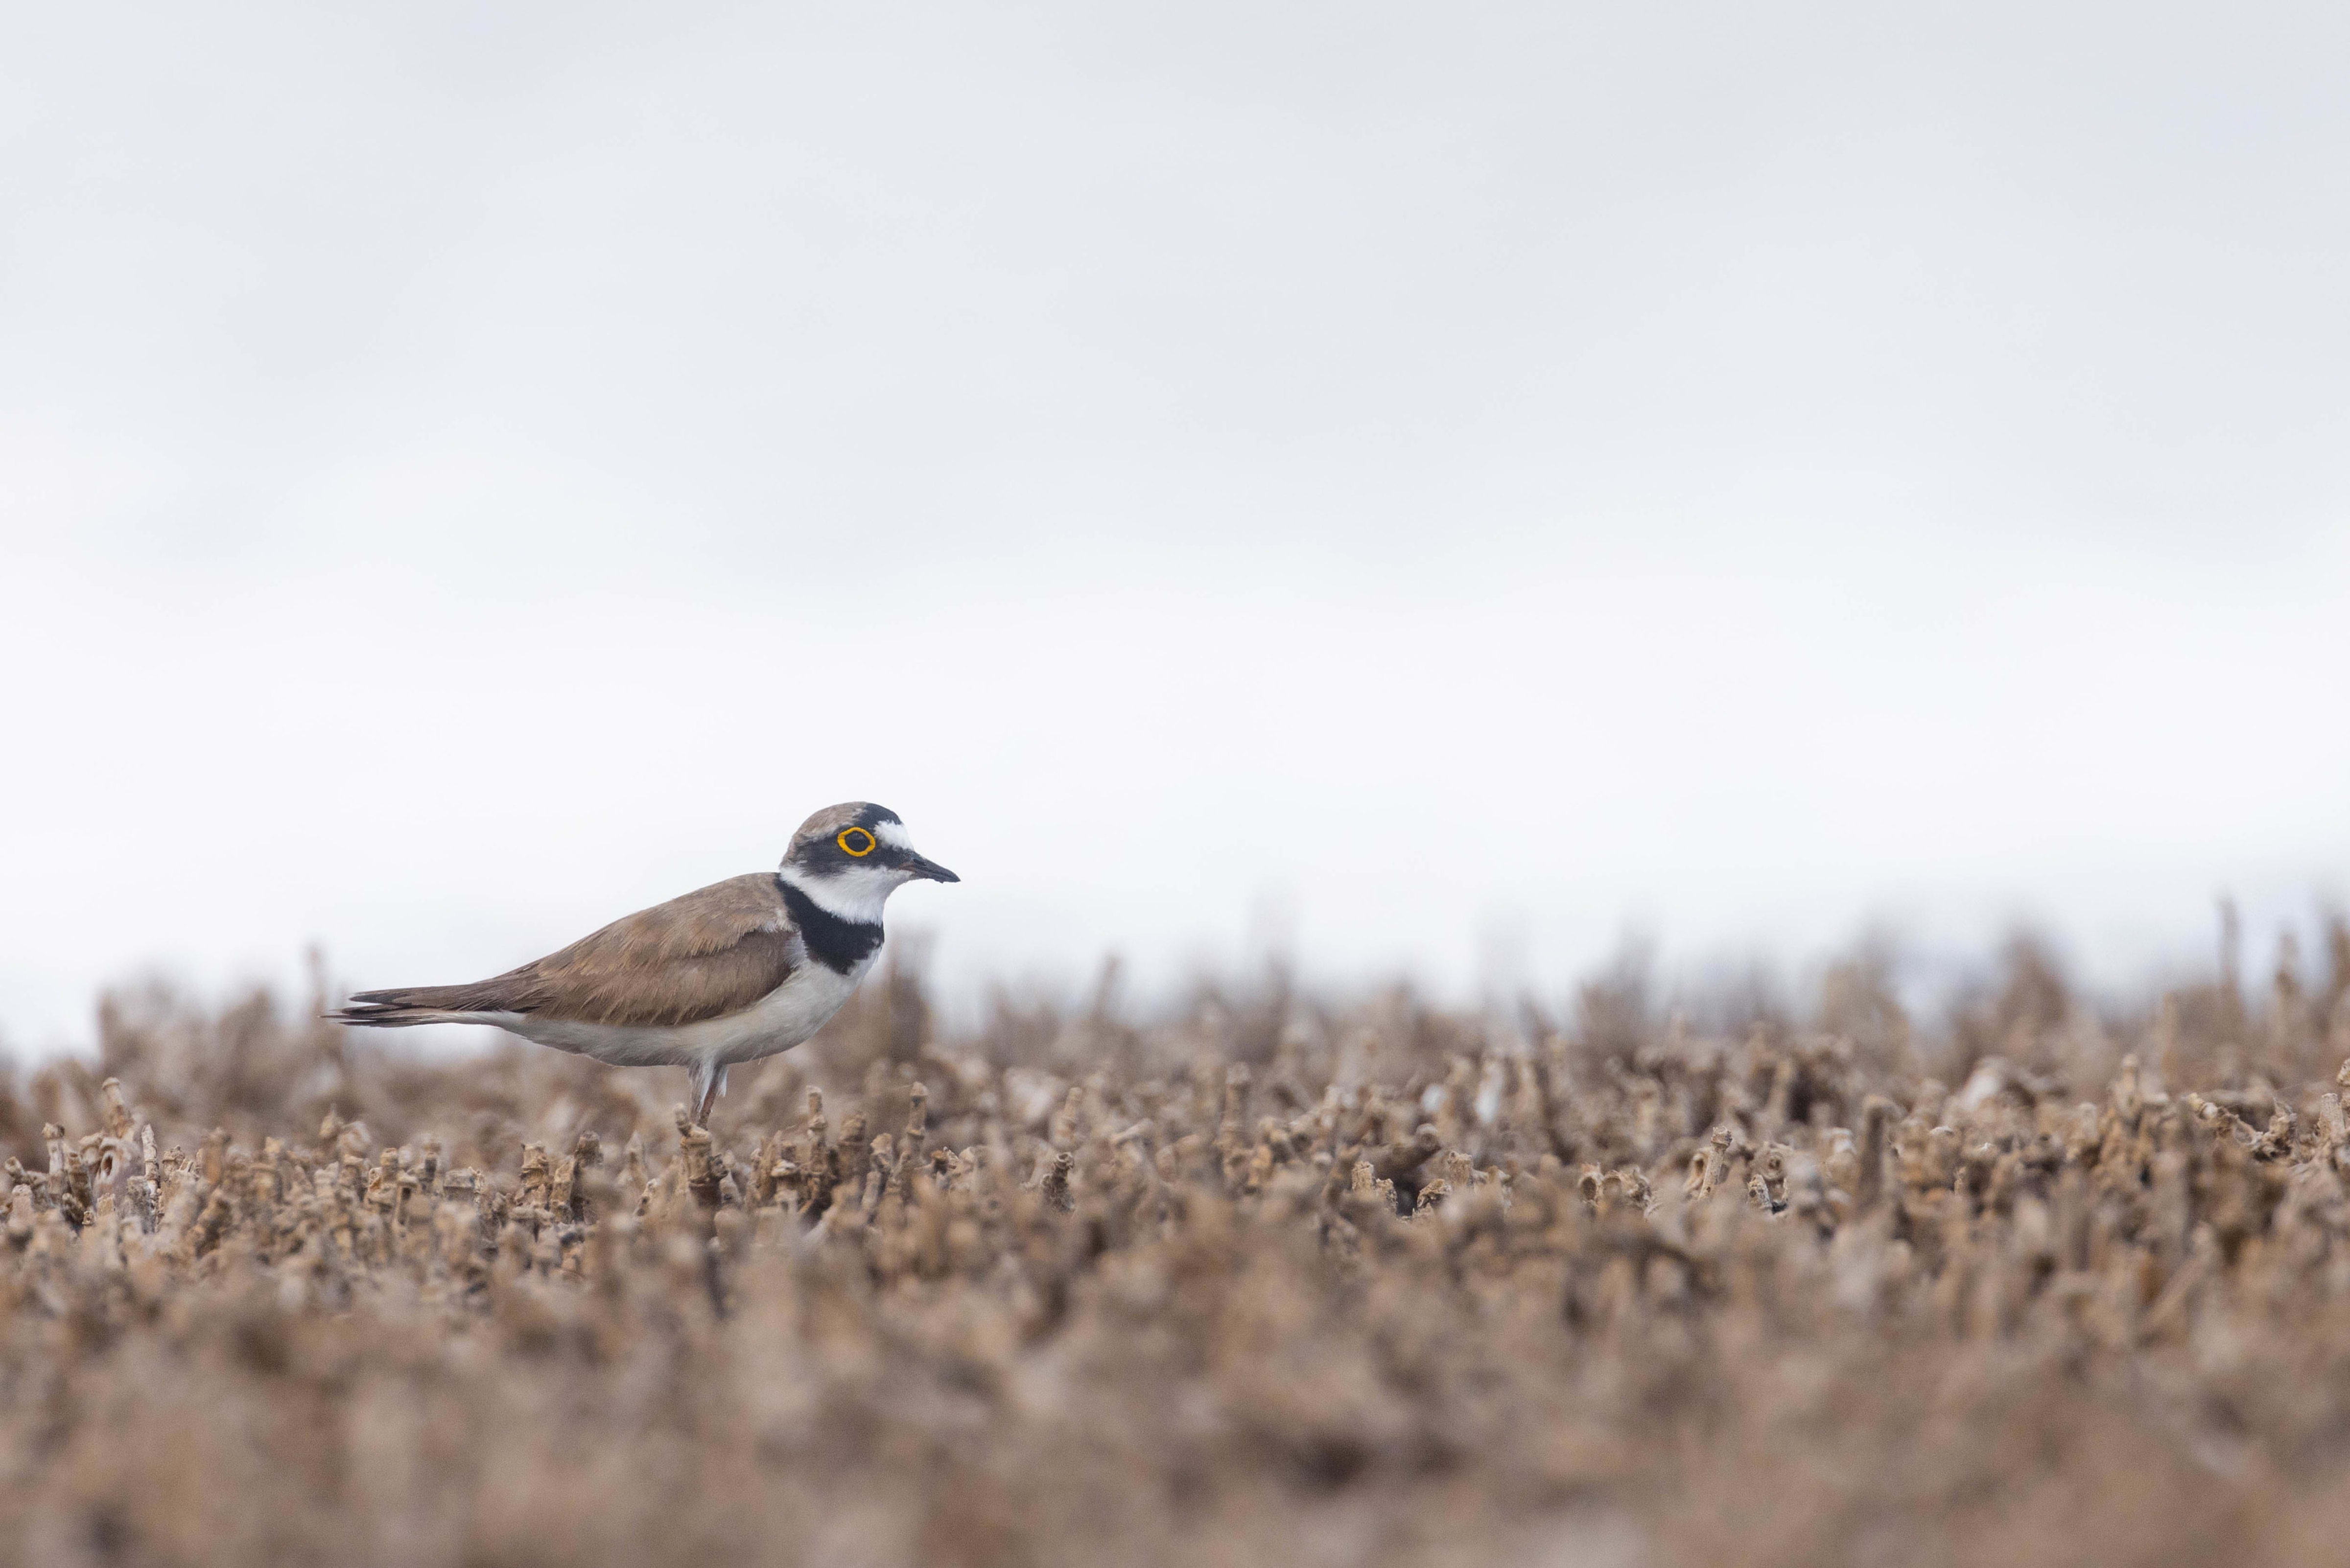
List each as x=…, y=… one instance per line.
x=855, y=841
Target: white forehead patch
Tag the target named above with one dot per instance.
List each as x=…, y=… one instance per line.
x=892, y=834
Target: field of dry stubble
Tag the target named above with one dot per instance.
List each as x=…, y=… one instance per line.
x=1273, y=1281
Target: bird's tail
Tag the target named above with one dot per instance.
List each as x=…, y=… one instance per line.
x=400, y=1008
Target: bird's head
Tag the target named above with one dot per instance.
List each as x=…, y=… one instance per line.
x=850, y=858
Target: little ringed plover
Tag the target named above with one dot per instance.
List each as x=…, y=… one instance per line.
x=734, y=972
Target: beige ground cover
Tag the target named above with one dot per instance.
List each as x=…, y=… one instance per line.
x=1274, y=1281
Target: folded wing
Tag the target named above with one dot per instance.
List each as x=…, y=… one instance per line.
x=712, y=952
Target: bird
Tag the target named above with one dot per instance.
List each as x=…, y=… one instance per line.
x=731, y=973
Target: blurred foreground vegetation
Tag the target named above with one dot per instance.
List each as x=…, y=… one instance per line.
x=1274, y=1280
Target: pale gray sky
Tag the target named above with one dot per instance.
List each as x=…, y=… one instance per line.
x=1435, y=485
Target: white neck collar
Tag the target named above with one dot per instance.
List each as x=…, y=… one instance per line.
x=856, y=897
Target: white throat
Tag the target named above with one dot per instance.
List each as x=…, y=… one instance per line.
x=852, y=896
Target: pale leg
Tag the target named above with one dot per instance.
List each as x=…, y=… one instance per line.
x=709, y=1083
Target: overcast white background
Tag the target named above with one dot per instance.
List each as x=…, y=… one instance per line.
x=1433, y=487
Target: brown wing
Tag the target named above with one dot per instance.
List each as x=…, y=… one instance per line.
x=713, y=952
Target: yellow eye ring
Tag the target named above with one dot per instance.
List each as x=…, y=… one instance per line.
x=856, y=841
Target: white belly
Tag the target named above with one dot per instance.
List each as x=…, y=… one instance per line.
x=776, y=1022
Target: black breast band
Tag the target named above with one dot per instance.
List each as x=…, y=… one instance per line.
x=839, y=945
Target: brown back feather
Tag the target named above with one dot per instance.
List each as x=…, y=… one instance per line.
x=708, y=953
